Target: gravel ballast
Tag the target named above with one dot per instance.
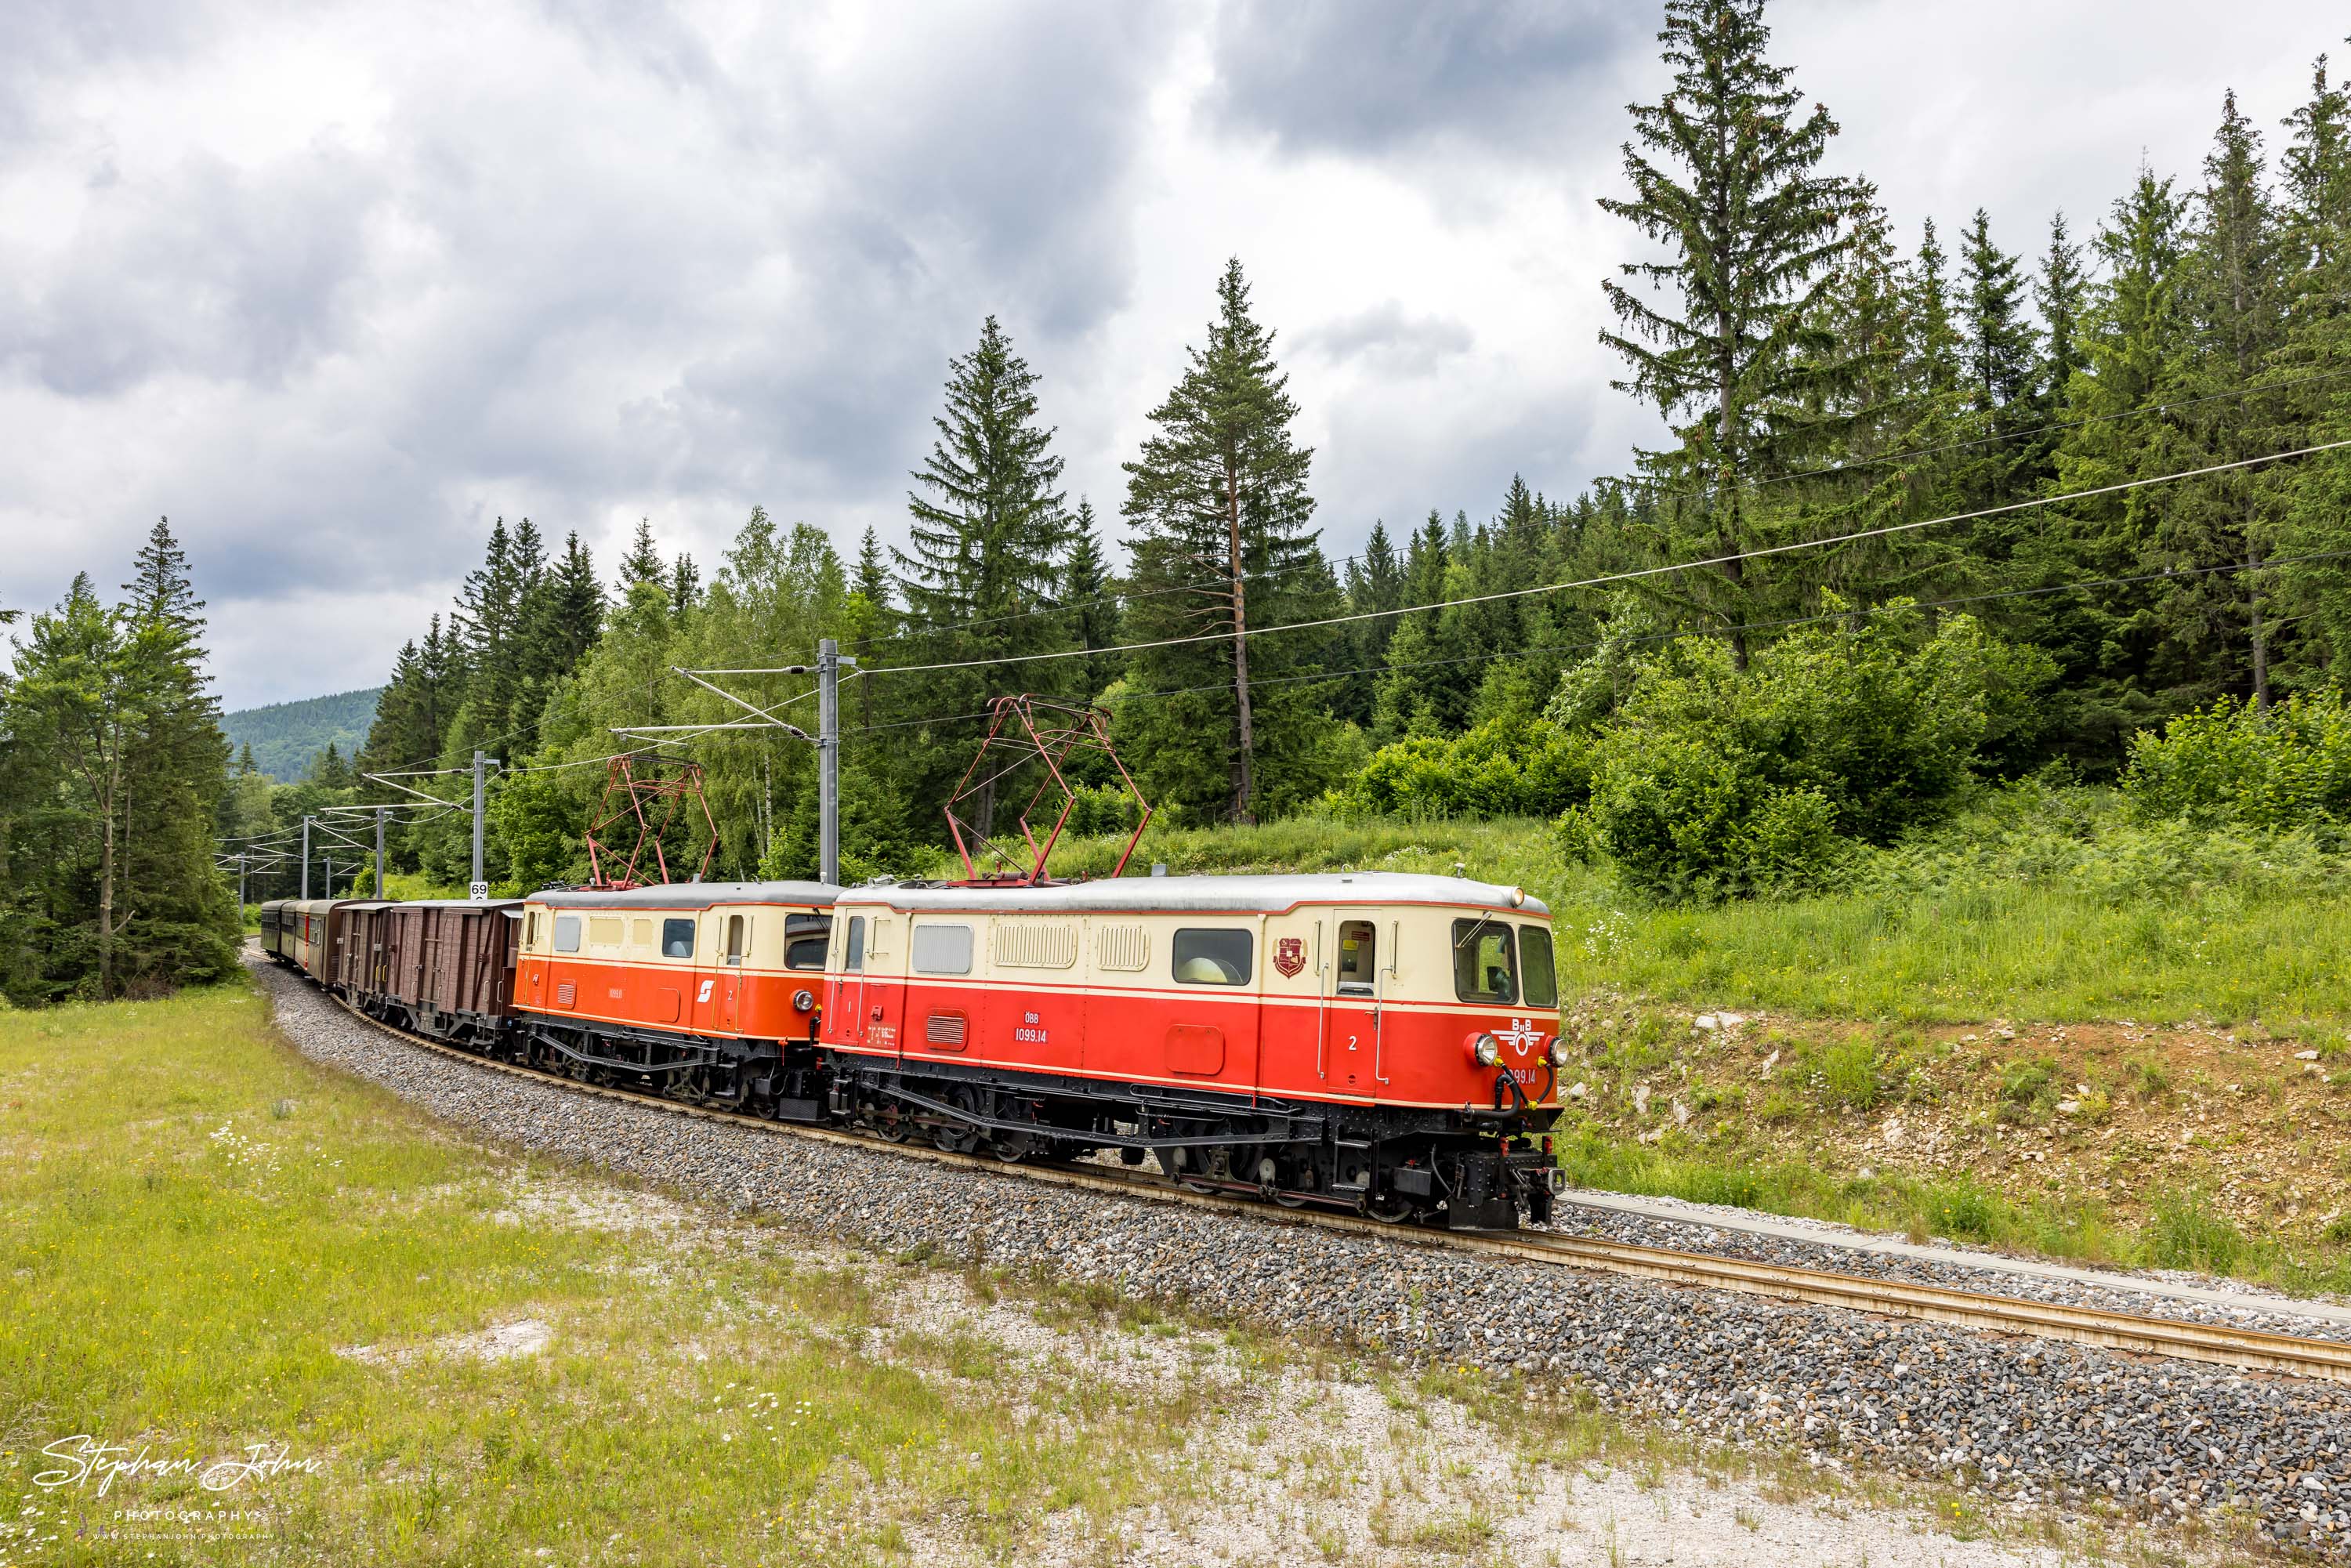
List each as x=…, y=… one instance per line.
x=2022, y=1419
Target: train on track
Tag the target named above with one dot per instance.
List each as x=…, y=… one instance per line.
x=1379, y=1042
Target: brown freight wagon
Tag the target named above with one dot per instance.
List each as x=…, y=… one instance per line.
x=442, y=966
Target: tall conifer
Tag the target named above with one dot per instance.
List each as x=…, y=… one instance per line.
x=1727, y=177
x=1224, y=542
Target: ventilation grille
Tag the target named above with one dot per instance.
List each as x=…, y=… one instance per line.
x=945, y=1028
x=1124, y=947
x=1035, y=943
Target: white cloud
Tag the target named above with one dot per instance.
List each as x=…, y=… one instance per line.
x=334, y=286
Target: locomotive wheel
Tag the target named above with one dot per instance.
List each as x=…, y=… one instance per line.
x=1389, y=1209
x=1012, y=1147
x=954, y=1137
x=1189, y=1176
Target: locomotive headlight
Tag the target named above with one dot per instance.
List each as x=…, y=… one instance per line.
x=804, y=998
x=1485, y=1051
x=1557, y=1055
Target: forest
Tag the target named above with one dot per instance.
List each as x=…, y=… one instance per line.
x=287, y=738
x=2047, y=501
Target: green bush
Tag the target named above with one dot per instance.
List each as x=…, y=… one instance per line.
x=1710, y=781
x=2290, y=767
x=2089, y=842
x=1502, y=768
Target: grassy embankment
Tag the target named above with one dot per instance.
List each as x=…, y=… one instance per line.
x=210, y=1244
x=2085, y=1033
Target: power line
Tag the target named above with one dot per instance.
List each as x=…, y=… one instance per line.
x=1830, y=470
x=1335, y=562
x=1628, y=576
x=2037, y=591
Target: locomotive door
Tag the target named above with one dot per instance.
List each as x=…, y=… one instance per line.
x=844, y=1015
x=1351, y=1061
x=736, y=952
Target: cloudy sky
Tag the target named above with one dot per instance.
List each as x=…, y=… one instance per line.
x=333, y=285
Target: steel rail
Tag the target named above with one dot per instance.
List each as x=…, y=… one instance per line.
x=2249, y=1350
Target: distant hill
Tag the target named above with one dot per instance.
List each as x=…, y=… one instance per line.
x=285, y=736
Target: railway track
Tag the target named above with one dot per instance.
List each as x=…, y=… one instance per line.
x=2133, y=1333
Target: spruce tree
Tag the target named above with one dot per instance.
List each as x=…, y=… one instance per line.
x=1374, y=585
x=1223, y=543
x=983, y=547
x=2001, y=342
x=2313, y=367
x=685, y=586
x=488, y=624
x=2234, y=305
x=2060, y=292
x=644, y=561
x=2000, y=356
x=1089, y=593
x=112, y=886
x=873, y=578
x=1728, y=179
x=2108, y=639
x=2317, y=177
x=988, y=524
x=179, y=921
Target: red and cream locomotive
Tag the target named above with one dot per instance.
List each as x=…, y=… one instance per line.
x=1378, y=1042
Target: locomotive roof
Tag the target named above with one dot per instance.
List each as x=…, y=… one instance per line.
x=1252, y=894
x=691, y=896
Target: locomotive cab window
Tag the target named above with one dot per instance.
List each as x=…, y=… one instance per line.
x=735, y=925
x=677, y=939
x=805, y=938
x=530, y=931
x=941, y=949
x=1541, y=987
x=567, y=934
x=1207, y=955
x=1484, y=966
x=852, y=946
x=1359, y=953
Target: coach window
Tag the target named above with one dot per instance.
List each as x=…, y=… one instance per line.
x=677, y=939
x=1541, y=987
x=805, y=939
x=1359, y=952
x=1207, y=955
x=567, y=934
x=853, y=948
x=735, y=924
x=941, y=949
x=1483, y=970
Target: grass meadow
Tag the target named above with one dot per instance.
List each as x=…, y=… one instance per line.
x=209, y=1244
